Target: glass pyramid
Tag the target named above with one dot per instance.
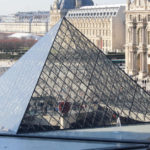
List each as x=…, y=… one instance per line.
x=75, y=86
x=80, y=88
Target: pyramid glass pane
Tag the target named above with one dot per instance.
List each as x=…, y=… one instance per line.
x=80, y=88
x=18, y=83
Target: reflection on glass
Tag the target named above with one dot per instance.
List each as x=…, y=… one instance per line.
x=80, y=88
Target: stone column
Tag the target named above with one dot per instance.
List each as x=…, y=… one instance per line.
x=46, y=27
x=143, y=66
x=127, y=50
x=144, y=62
x=143, y=55
x=127, y=59
x=134, y=34
x=133, y=63
x=143, y=35
x=30, y=27
x=133, y=53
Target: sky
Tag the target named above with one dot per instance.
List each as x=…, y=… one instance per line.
x=13, y=6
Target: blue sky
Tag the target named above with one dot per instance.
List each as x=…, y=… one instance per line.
x=12, y=6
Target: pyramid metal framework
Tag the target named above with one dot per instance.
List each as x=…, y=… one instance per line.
x=75, y=86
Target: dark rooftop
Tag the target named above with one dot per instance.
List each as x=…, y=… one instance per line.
x=71, y=4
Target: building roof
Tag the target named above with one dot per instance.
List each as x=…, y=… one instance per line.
x=103, y=6
x=102, y=11
x=65, y=82
x=65, y=4
x=87, y=3
x=71, y=4
x=32, y=13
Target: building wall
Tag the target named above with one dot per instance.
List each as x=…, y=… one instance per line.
x=138, y=38
x=118, y=31
x=97, y=30
x=55, y=16
x=107, y=32
x=37, y=28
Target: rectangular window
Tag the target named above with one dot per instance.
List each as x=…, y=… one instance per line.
x=106, y=43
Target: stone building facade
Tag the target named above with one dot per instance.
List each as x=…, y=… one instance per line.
x=138, y=38
x=28, y=22
x=22, y=27
x=103, y=25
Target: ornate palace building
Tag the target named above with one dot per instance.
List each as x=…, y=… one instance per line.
x=103, y=25
x=138, y=38
x=28, y=22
